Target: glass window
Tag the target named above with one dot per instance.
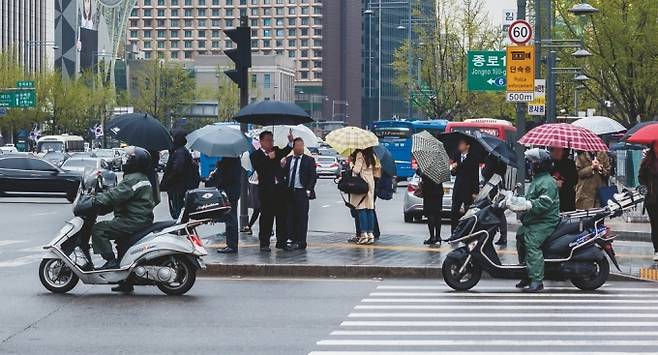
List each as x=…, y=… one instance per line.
x=14, y=163
x=174, y=55
x=267, y=81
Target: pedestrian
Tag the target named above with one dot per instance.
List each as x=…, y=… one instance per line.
x=226, y=177
x=566, y=176
x=493, y=165
x=432, y=194
x=181, y=174
x=271, y=190
x=254, y=203
x=465, y=168
x=301, y=177
x=648, y=176
x=593, y=172
x=365, y=165
x=153, y=175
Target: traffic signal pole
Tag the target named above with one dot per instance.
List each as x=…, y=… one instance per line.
x=521, y=109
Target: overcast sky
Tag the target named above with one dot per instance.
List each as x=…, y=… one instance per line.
x=495, y=8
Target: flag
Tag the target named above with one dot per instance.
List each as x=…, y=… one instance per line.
x=98, y=130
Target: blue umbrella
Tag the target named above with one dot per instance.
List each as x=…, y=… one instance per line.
x=219, y=141
x=386, y=158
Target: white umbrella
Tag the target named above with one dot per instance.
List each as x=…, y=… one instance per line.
x=281, y=135
x=600, y=125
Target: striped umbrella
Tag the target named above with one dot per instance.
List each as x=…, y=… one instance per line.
x=348, y=139
x=431, y=157
x=564, y=135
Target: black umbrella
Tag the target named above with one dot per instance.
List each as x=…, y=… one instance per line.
x=266, y=113
x=142, y=130
x=497, y=148
x=636, y=128
x=451, y=143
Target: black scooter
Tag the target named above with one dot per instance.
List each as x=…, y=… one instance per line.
x=575, y=251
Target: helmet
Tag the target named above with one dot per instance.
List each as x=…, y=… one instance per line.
x=539, y=159
x=139, y=160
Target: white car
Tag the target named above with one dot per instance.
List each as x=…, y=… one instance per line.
x=413, y=205
x=9, y=148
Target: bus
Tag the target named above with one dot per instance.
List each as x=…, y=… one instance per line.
x=396, y=136
x=502, y=129
x=63, y=143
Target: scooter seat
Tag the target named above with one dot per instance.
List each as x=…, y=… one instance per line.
x=565, y=226
x=124, y=245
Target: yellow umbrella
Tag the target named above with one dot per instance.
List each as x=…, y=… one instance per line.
x=348, y=139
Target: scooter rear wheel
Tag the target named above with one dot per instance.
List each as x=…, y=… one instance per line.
x=185, y=276
x=56, y=276
x=461, y=282
x=592, y=282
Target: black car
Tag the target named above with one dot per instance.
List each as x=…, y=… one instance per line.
x=31, y=174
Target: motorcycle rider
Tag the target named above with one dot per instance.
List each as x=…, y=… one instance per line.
x=132, y=204
x=541, y=214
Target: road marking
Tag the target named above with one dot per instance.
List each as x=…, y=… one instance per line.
x=502, y=294
x=453, y=353
x=515, y=301
x=10, y=242
x=33, y=249
x=511, y=308
x=43, y=214
x=502, y=315
x=466, y=333
x=325, y=206
x=24, y=260
x=454, y=323
x=486, y=342
x=556, y=288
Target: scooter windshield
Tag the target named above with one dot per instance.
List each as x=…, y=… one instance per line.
x=488, y=186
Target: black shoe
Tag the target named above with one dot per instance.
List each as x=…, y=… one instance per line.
x=501, y=241
x=431, y=241
x=285, y=247
x=87, y=267
x=227, y=250
x=535, y=286
x=265, y=249
x=353, y=240
x=297, y=246
x=523, y=283
x=123, y=287
x=110, y=264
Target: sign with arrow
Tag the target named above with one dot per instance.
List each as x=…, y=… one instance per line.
x=486, y=71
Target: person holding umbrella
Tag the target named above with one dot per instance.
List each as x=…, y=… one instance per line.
x=566, y=176
x=181, y=174
x=465, y=168
x=593, y=172
x=226, y=177
x=365, y=165
x=648, y=176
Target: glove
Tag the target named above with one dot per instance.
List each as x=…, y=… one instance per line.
x=518, y=204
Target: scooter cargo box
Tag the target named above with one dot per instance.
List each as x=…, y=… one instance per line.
x=205, y=203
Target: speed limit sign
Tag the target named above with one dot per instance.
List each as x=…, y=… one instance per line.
x=520, y=32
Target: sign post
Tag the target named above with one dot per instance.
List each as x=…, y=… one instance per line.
x=486, y=71
x=520, y=73
x=18, y=98
x=537, y=107
x=25, y=84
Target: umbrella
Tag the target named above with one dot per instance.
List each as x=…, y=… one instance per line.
x=451, y=143
x=564, y=135
x=636, y=128
x=281, y=135
x=386, y=158
x=348, y=139
x=626, y=146
x=142, y=130
x=219, y=141
x=599, y=125
x=645, y=135
x=498, y=148
x=431, y=157
x=270, y=112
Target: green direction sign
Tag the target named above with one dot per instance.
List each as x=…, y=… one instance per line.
x=25, y=84
x=486, y=71
x=18, y=98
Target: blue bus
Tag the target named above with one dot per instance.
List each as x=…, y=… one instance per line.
x=396, y=136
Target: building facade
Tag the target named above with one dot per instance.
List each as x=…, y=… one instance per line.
x=26, y=27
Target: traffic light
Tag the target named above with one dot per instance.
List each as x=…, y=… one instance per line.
x=241, y=54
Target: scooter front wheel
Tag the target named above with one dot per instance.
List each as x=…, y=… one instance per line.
x=460, y=281
x=596, y=280
x=56, y=276
x=185, y=275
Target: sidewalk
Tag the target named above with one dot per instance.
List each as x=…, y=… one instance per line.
x=393, y=256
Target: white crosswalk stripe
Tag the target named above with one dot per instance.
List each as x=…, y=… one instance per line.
x=425, y=320
x=15, y=253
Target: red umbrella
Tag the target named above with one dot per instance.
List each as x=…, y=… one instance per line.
x=564, y=135
x=645, y=135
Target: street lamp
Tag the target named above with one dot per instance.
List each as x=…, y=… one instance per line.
x=580, y=78
x=581, y=53
x=583, y=9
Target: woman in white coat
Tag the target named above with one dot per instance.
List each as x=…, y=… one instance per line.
x=365, y=165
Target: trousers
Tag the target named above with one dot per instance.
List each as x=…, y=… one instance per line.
x=298, y=216
x=528, y=246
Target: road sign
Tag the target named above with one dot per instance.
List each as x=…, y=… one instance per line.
x=25, y=84
x=18, y=98
x=537, y=107
x=486, y=71
x=520, y=32
x=521, y=69
x=519, y=96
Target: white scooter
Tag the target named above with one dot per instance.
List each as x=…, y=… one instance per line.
x=167, y=254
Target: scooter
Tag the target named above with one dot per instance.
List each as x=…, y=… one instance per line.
x=575, y=251
x=167, y=254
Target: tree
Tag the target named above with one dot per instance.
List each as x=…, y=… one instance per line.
x=624, y=66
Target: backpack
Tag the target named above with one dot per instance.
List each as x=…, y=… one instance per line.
x=194, y=177
x=384, y=188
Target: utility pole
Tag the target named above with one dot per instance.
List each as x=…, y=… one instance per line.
x=520, y=112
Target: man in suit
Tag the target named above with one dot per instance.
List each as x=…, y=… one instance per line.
x=271, y=189
x=465, y=168
x=300, y=178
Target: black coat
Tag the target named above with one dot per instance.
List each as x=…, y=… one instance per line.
x=270, y=172
x=565, y=170
x=493, y=165
x=307, y=173
x=227, y=178
x=432, y=196
x=179, y=173
x=467, y=178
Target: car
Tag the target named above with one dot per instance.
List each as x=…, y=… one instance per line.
x=413, y=205
x=327, y=166
x=87, y=166
x=55, y=158
x=89, y=154
x=111, y=156
x=8, y=148
x=25, y=173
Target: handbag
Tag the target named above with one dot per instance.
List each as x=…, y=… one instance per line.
x=353, y=184
x=419, y=191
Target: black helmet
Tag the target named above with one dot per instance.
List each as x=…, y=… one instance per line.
x=139, y=160
x=539, y=159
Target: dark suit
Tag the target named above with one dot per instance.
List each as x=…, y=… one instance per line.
x=272, y=195
x=298, y=202
x=227, y=178
x=467, y=183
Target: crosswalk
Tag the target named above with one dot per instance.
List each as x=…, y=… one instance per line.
x=17, y=253
x=428, y=320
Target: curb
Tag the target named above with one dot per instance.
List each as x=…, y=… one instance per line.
x=342, y=271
